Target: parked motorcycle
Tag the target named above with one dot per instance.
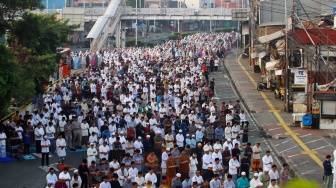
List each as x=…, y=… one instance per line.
x=263, y=86
x=245, y=54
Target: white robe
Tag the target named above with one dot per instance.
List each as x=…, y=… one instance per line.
x=61, y=152
x=91, y=153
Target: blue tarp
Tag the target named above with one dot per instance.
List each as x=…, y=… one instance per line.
x=307, y=120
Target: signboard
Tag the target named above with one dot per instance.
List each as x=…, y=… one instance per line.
x=239, y=14
x=300, y=77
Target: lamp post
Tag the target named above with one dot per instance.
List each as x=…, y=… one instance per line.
x=136, y=23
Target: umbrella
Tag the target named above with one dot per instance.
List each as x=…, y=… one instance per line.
x=142, y=25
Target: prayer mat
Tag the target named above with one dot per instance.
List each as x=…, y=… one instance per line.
x=77, y=150
x=28, y=157
x=60, y=167
x=6, y=160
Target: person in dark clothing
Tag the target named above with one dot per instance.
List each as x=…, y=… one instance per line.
x=245, y=165
x=83, y=173
x=147, y=143
x=226, y=158
x=138, y=129
x=328, y=175
x=248, y=150
x=208, y=174
x=115, y=183
x=199, y=151
x=117, y=147
x=236, y=151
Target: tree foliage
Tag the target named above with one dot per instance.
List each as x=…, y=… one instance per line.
x=35, y=51
x=8, y=78
x=10, y=9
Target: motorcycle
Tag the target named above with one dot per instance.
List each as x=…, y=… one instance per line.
x=245, y=54
x=264, y=86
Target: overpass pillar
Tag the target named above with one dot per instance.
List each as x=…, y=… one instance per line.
x=117, y=36
x=123, y=33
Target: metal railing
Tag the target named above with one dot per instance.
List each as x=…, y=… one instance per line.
x=178, y=11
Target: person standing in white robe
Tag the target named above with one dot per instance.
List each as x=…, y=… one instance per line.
x=60, y=148
x=91, y=153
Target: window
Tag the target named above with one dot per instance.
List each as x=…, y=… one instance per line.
x=328, y=109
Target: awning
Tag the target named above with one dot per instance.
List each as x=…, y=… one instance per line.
x=270, y=65
x=270, y=37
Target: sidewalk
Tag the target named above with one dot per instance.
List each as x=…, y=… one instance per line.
x=303, y=149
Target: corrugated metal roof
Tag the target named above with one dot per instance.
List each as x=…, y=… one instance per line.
x=268, y=38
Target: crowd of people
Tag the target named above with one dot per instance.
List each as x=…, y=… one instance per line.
x=147, y=118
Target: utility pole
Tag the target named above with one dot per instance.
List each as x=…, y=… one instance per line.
x=253, y=28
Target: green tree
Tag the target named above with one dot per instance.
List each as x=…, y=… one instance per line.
x=35, y=51
x=10, y=9
x=8, y=78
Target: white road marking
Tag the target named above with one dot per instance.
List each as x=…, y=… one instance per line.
x=288, y=149
x=308, y=171
x=305, y=135
x=294, y=155
x=313, y=141
x=321, y=147
x=275, y=128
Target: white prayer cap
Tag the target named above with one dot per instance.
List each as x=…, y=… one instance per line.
x=167, y=149
x=75, y=171
x=243, y=173
x=206, y=149
x=229, y=139
x=121, y=132
x=266, y=170
x=91, y=143
x=256, y=174
x=200, y=127
x=187, y=134
x=210, y=166
x=178, y=175
x=260, y=184
x=148, y=136
x=113, y=133
x=217, y=147
x=195, y=155
x=45, y=137
x=158, y=132
x=193, y=135
x=139, y=137
x=180, y=130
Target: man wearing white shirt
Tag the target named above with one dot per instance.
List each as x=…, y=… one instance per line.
x=216, y=154
x=273, y=173
x=267, y=160
x=228, y=131
x=105, y=183
x=233, y=167
x=236, y=141
x=52, y=177
x=65, y=176
x=255, y=181
x=140, y=180
x=104, y=150
x=45, y=144
x=206, y=160
x=180, y=140
x=91, y=153
x=150, y=178
x=198, y=178
x=138, y=144
x=122, y=174
x=133, y=172
x=193, y=165
x=228, y=144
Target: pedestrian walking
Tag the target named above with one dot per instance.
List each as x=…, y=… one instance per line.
x=328, y=176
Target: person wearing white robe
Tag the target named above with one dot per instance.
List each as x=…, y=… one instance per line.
x=91, y=153
x=64, y=175
x=255, y=181
x=60, y=148
x=151, y=178
x=133, y=172
x=228, y=131
x=140, y=180
x=267, y=160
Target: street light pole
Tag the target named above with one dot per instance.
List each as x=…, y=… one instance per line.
x=136, y=23
x=210, y=16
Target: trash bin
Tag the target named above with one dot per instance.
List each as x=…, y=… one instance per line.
x=316, y=121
